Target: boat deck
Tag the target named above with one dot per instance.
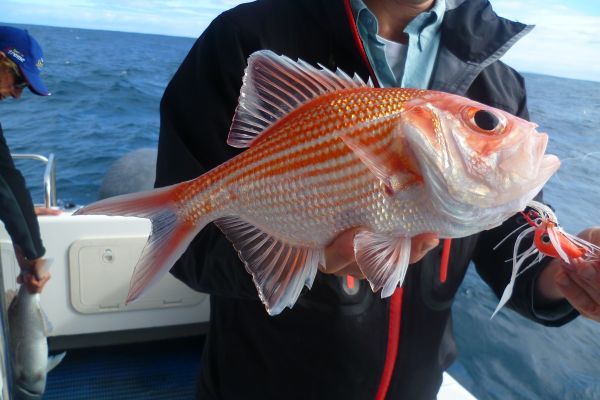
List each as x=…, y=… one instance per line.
x=165, y=369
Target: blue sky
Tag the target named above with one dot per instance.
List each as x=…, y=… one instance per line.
x=565, y=42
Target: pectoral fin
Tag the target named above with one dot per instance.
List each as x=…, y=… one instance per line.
x=384, y=153
x=383, y=259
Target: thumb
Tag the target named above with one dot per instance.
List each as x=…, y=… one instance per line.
x=421, y=245
x=340, y=252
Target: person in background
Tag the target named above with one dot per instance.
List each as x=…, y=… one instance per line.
x=21, y=60
x=339, y=342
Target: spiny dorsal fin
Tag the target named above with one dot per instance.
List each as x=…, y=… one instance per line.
x=273, y=86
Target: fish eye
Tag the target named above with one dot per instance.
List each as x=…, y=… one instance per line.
x=486, y=120
x=545, y=238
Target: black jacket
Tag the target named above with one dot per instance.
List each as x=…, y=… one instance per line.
x=16, y=207
x=332, y=344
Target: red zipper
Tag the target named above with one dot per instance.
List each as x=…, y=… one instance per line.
x=358, y=42
x=395, y=311
x=392, y=345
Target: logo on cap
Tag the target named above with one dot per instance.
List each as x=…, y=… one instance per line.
x=40, y=63
x=17, y=54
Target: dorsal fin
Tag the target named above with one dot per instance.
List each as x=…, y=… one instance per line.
x=273, y=86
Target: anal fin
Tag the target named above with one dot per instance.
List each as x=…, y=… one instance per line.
x=279, y=270
x=383, y=259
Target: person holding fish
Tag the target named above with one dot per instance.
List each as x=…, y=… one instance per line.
x=351, y=171
x=21, y=60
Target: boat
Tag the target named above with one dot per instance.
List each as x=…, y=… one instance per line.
x=91, y=262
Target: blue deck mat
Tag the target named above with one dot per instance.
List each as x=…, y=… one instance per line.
x=153, y=370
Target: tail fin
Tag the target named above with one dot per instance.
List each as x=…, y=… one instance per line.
x=53, y=361
x=170, y=236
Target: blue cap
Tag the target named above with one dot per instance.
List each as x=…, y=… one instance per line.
x=24, y=50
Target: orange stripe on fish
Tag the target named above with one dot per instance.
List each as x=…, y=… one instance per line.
x=328, y=152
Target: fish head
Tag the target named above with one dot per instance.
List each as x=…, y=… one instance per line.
x=477, y=161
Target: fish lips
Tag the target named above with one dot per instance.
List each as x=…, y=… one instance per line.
x=530, y=165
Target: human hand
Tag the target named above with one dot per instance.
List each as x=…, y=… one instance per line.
x=33, y=273
x=340, y=260
x=46, y=211
x=578, y=282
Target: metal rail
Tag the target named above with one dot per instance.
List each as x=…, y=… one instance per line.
x=49, y=175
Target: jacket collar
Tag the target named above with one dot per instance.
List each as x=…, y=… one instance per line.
x=468, y=46
x=464, y=34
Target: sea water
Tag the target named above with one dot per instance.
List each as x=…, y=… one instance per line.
x=106, y=89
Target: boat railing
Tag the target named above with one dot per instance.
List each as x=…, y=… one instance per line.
x=49, y=175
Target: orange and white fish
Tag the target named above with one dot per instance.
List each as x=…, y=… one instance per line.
x=327, y=152
x=549, y=239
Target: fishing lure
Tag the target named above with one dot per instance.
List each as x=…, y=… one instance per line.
x=549, y=239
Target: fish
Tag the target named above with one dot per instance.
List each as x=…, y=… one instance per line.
x=326, y=152
x=29, y=328
x=549, y=240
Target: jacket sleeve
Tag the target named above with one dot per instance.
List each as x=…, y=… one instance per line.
x=16, y=207
x=195, y=113
x=492, y=266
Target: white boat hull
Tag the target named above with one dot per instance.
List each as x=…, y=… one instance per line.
x=92, y=260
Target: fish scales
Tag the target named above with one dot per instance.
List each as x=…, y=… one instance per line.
x=328, y=153
x=295, y=150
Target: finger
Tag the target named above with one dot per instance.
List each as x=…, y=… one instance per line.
x=421, y=245
x=591, y=235
x=30, y=285
x=42, y=282
x=577, y=296
x=340, y=253
x=587, y=276
x=33, y=284
x=351, y=269
x=36, y=286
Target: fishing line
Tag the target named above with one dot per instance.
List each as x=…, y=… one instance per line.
x=569, y=162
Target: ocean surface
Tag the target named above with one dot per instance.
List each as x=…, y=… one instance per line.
x=106, y=91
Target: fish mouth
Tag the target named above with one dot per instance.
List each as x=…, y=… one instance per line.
x=549, y=163
x=548, y=166
x=535, y=166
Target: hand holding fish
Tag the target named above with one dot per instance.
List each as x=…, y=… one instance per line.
x=340, y=257
x=33, y=274
x=578, y=282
